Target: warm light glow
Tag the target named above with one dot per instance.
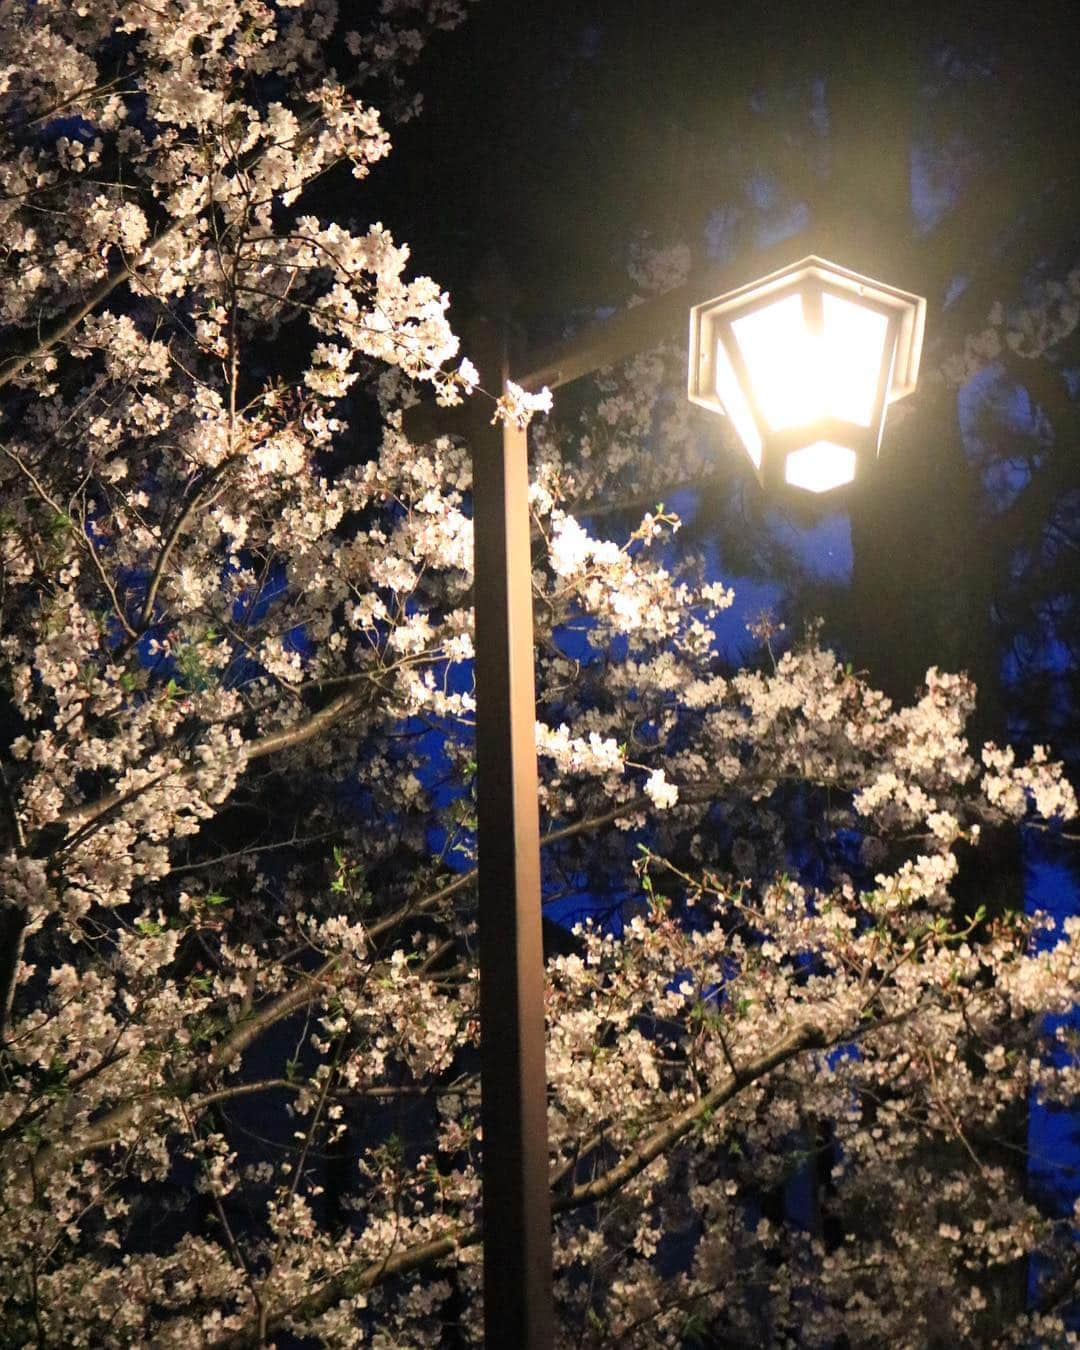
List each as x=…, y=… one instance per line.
x=820, y=466
x=799, y=376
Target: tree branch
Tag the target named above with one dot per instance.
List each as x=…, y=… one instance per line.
x=800, y=1038
x=81, y=817
x=197, y=500
x=52, y=333
x=12, y=918
x=55, y=332
x=105, y=1130
x=356, y=1280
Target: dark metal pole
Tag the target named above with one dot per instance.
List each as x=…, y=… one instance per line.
x=516, y=1196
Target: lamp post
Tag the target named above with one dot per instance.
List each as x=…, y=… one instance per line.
x=804, y=363
x=516, y=1197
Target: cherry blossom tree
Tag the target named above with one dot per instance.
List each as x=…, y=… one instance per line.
x=239, y=1092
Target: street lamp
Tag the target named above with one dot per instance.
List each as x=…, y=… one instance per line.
x=805, y=363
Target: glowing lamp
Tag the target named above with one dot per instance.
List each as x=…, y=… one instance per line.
x=805, y=363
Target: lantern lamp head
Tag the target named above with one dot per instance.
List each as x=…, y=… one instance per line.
x=805, y=363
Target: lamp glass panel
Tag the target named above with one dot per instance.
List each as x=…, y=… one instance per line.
x=781, y=359
x=854, y=341
x=730, y=394
x=820, y=467
x=800, y=376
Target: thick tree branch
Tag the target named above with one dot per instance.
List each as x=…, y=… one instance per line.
x=358, y=1279
x=337, y=710
x=52, y=333
x=107, y=1128
x=800, y=1038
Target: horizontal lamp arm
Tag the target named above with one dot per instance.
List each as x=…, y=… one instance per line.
x=644, y=326
x=633, y=330
x=623, y=335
